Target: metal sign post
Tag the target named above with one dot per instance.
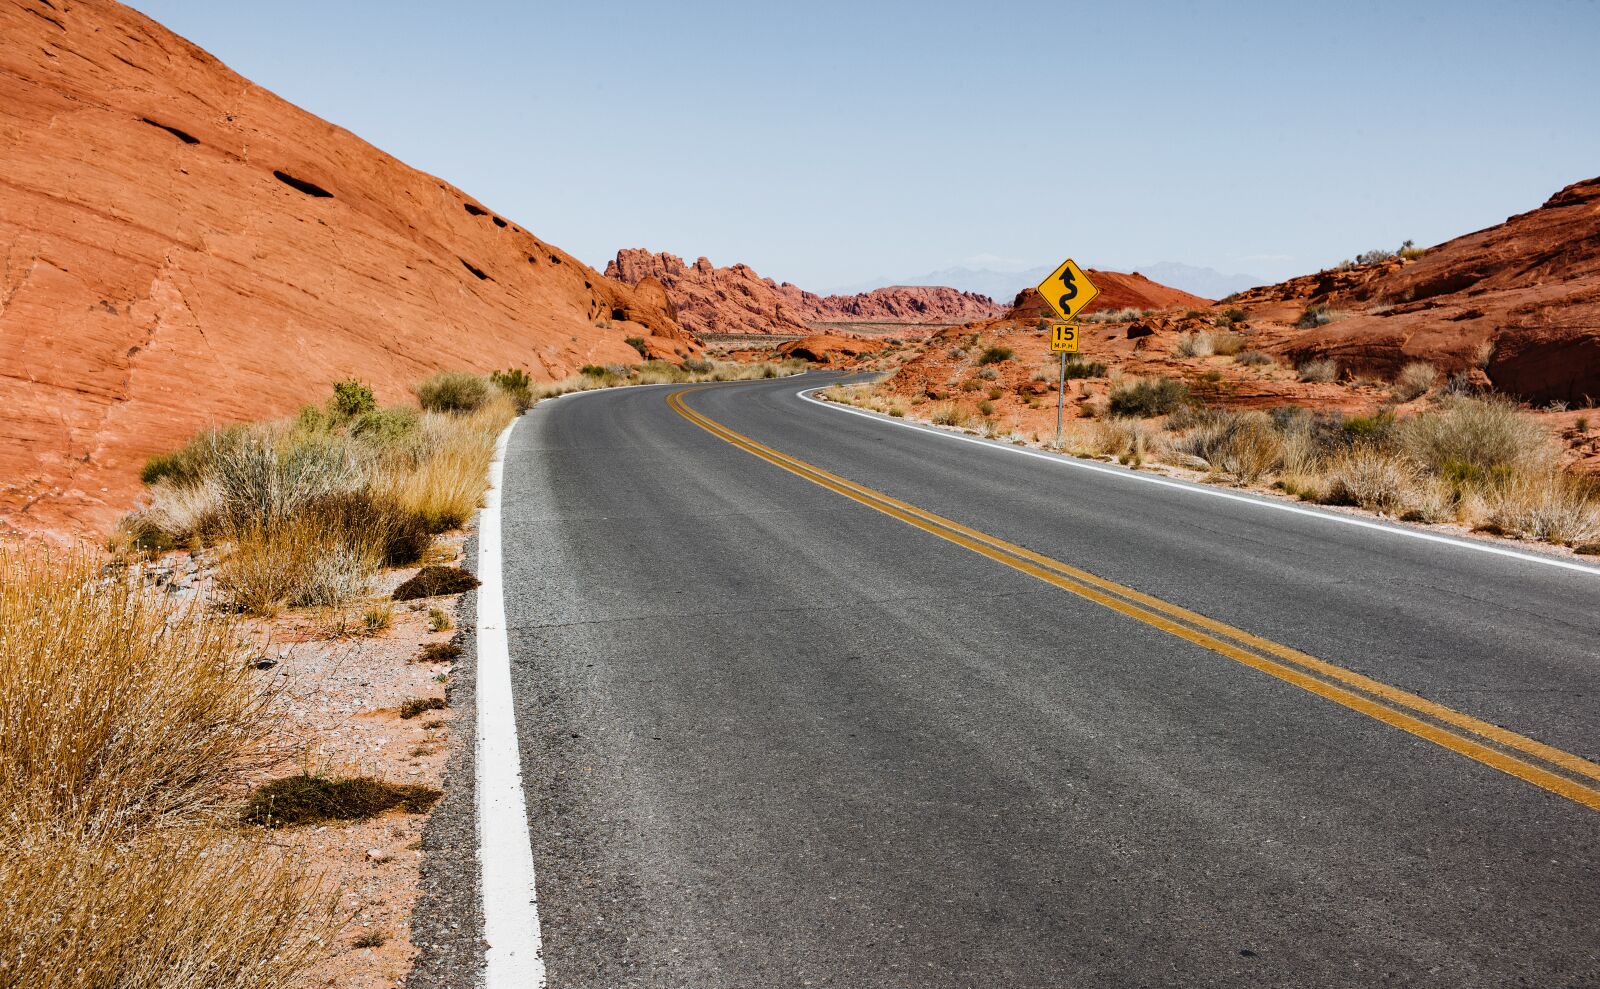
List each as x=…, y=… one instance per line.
x=1068, y=291
x=1064, y=341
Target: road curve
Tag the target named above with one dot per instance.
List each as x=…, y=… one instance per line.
x=775, y=735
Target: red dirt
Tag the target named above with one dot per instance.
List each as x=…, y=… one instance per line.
x=738, y=300
x=182, y=247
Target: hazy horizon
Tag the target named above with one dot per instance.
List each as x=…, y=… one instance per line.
x=837, y=144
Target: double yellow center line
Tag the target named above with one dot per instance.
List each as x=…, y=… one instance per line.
x=1560, y=772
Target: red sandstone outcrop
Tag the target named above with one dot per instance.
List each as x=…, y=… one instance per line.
x=182, y=247
x=1521, y=298
x=738, y=300
x=830, y=348
x=1117, y=291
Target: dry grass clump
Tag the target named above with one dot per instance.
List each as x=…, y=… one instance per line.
x=1476, y=437
x=311, y=507
x=1246, y=445
x=950, y=414
x=308, y=798
x=114, y=702
x=1145, y=397
x=421, y=705
x=433, y=581
x=1321, y=370
x=126, y=718
x=1227, y=343
x=1553, y=507
x=1197, y=344
x=193, y=909
x=1373, y=480
x=1414, y=380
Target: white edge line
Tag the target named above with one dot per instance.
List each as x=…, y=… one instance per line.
x=1199, y=489
x=513, y=955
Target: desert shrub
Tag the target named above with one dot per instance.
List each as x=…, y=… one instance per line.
x=176, y=908
x=637, y=343
x=1126, y=439
x=1414, y=380
x=1077, y=368
x=439, y=652
x=1113, y=315
x=1252, y=358
x=592, y=371
x=308, y=799
x=1410, y=251
x=1313, y=317
x=351, y=398
x=516, y=385
x=995, y=355
x=385, y=427
x=261, y=481
x=1198, y=344
x=1373, y=430
x=190, y=463
x=433, y=581
x=1226, y=343
x=1372, y=479
x=1246, y=445
x=114, y=701
x=1145, y=397
x=1548, y=505
x=452, y=391
x=1377, y=255
x=1320, y=370
x=421, y=705
x=1233, y=314
x=950, y=414
x=439, y=620
x=293, y=563
x=695, y=365
x=1484, y=434
x=985, y=408
x=971, y=384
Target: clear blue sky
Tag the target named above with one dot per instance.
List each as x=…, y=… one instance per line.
x=827, y=143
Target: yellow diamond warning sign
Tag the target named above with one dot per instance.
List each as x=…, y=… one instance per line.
x=1068, y=290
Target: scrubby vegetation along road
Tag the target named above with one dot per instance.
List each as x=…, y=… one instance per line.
x=1458, y=454
x=142, y=722
x=130, y=723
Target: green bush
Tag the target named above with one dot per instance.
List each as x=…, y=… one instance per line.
x=189, y=464
x=996, y=355
x=385, y=426
x=1313, y=317
x=351, y=398
x=516, y=384
x=1084, y=369
x=453, y=391
x=1145, y=398
x=637, y=343
x=592, y=371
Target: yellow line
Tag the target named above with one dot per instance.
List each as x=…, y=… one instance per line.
x=1211, y=634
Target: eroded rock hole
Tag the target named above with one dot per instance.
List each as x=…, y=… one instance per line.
x=474, y=210
x=475, y=270
x=619, y=313
x=183, y=136
x=309, y=188
x=499, y=223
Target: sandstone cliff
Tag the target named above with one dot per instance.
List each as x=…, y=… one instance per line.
x=709, y=299
x=182, y=247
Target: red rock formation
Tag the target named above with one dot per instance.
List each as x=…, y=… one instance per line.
x=182, y=247
x=830, y=348
x=1117, y=291
x=1525, y=292
x=738, y=300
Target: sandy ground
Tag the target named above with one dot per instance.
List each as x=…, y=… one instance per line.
x=339, y=688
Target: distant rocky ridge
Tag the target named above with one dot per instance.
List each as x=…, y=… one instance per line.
x=180, y=248
x=1519, y=300
x=709, y=299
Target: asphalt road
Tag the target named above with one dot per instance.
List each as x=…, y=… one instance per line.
x=772, y=736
